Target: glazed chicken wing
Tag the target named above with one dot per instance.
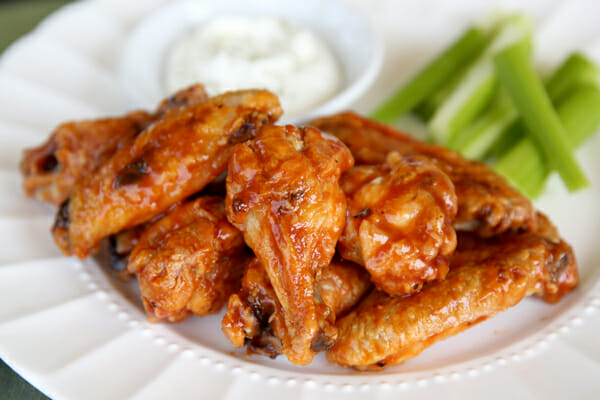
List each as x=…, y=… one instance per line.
x=283, y=193
x=342, y=285
x=486, y=276
x=189, y=261
x=76, y=149
x=485, y=199
x=175, y=157
x=399, y=222
x=255, y=317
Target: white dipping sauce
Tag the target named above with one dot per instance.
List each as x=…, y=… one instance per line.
x=230, y=53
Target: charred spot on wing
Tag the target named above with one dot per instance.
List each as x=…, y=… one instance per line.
x=117, y=260
x=243, y=133
x=131, y=173
x=296, y=196
x=238, y=205
x=290, y=201
x=174, y=101
x=48, y=164
x=381, y=364
x=266, y=344
x=62, y=216
x=364, y=213
x=321, y=342
x=564, y=260
x=261, y=312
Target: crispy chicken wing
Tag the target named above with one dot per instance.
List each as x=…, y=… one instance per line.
x=486, y=276
x=283, y=193
x=484, y=197
x=76, y=149
x=175, y=157
x=189, y=261
x=255, y=317
x=342, y=285
x=399, y=222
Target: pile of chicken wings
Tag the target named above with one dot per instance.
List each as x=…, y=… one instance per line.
x=344, y=235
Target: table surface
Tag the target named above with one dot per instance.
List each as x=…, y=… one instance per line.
x=17, y=17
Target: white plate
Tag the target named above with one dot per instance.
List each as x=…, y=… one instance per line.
x=75, y=332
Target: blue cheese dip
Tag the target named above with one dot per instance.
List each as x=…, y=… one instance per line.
x=235, y=52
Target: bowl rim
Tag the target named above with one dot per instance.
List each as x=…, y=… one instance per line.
x=145, y=86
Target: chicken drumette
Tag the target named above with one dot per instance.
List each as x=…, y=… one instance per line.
x=76, y=149
x=486, y=276
x=189, y=261
x=283, y=193
x=487, y=204
x=175, y=157
x=399, y=222
x=255, y=317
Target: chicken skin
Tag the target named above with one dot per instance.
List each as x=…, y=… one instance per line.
x=399, y=222
x=255, y=317
x=175, y=157
x=283, y=194
x=487, y=204
x=486, y=276
x=189, y=262
x=76, y=149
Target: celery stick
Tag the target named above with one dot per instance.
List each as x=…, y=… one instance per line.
x=524, y=164
x=478, y=85
x=475, y=140
x=432, y=76
x=524, y=167
x=575, y=71
x=580, y=114
x=507, y=139
x=527, y=92
x=427, y=108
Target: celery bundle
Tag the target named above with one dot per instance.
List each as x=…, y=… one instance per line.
x=483, y=98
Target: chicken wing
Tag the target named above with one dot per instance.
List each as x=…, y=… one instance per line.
x=189, y=262
x=175, y=157
x=255, y=317
x=486, y=202
x=283, y=193
x=399, y=222
x=76, y=149
x=486, y=276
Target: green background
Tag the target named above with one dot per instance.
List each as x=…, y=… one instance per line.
x=18, y=17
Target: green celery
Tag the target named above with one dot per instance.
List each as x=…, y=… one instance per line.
x=427, y=108
x=527, y=92
x=478, y=85
x=487, y=129
x=524, y=164
x=524, y=167
x=430, y=78
x=575, y=71
x=580, y=114
x=474, y=141
x=507, y=139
